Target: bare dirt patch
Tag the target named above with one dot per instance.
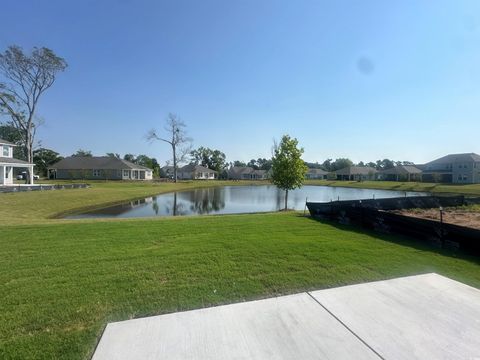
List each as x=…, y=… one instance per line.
x=456, y=216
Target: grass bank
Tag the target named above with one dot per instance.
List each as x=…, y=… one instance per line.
x=61, y=283
x=467, y=189
x=43, y=206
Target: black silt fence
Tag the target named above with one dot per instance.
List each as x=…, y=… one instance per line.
x=373, y=214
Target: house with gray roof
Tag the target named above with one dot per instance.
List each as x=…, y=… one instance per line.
x=246, y=173
x=318, y=174
x=453, y=168
x=8, y=163
x=196, y=172
x=401, y=173
x=167, y=171
x=98, y=168
x=355, y=173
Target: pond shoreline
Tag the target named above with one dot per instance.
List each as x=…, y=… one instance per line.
x=228, y=199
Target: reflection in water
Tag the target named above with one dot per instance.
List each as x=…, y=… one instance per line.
x=233, y=200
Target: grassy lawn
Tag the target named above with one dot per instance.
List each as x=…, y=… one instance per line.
x=62, y=281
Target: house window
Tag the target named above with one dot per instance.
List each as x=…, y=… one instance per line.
x=125, y=173
x=6, y=151
x=96, y=172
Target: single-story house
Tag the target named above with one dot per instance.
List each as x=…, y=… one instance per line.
x=316, y=174
x=401, y=173
x=246, y=173
x=98, y=168
x=8, y=163
x=453, y=168
x=355, y=173
x=167, y=171
x=198, y=172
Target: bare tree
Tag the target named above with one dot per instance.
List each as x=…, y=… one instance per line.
x=177, y=138
x=27, y=77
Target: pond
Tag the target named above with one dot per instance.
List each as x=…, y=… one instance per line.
x=234, y=200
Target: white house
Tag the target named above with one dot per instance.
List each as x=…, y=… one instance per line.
x=192, y=171
x=8, y=163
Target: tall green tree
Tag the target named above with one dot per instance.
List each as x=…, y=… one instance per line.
x=288, y=168
x=82, y=153
x=130, y=157
x=114, y=155
x=340, y=163
x=44, y=158
x=149, y=162
x=213, y=159
x=24, y=79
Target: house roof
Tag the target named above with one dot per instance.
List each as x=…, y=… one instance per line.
x=456, y=158
x=239, y=170
x=9, y=160
x=260, y=172
x=5, y=142
x=355, y=170
x=401, y=170
x=196, y=168
x=96, y=162
x=317, y=171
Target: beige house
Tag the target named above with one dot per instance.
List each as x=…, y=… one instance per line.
x=8, y=163
x=317, y=174
x=246, y=173
x=401, y=173
x=355, y=173
x=196, y=172
x=98, y=168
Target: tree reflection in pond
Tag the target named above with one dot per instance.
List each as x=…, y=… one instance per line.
x=232, y=200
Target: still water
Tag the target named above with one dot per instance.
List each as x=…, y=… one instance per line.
x=234, y=200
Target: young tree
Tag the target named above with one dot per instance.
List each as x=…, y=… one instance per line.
x=27, y=77
x=288, y=168
x=177, y=138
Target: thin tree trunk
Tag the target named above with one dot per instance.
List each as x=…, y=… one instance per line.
x=286, y=199
x=29, y=148
x=174, y=163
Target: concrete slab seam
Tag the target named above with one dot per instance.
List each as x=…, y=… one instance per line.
x=346, y=326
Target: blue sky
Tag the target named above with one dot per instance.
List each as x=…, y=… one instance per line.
x=359, y=79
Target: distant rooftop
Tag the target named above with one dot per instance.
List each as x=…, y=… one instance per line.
x=96, y=162
x=455, y=158
x=356, y=170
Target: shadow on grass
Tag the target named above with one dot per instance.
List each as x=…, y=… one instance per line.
x=417, y=244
